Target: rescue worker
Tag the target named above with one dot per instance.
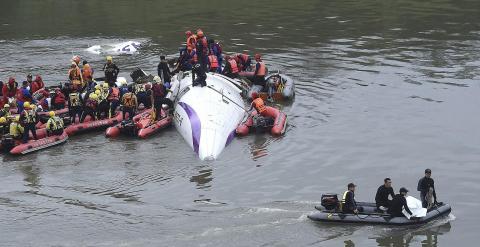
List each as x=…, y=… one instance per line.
x=113, y=100
x=37, y=84
x=29, y=119
x=260, y=71
x=381, y=198
x=103, y=104
x=58, y=99
x=123, y=88
x=202, y=49
x=90, y=108
x=76, y=59
x=129, y=103
x=5, y=111
x=213, y=63
x=216, y=50
x=29, y=79
x=164, y=72
x=191, y=40
x=75, y=76
x=87, y=72
x=231, y=68
x=54, y=125
x=348, y=203
x=111, y=72
x=425, y=185
x=16, y=129
x=4, y=126
x=141, y=94
x=74, y=106
x=9, y=90
x=23, y=95
x=199, y=72
x=159, y=92
x=398, y=204
x=244, y=61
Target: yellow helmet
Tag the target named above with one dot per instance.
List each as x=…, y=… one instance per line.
x=97, y=92
x=93, y=96
x=16, y=119
x=109, y=58
x=105, y=85
x=6, y=106
x=51, y=114
x=97, y=86
x=26, y=105
x=3, y=120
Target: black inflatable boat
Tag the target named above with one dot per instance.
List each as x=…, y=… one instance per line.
x=370, y=215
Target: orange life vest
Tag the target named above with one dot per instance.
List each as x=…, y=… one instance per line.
x=75, y=75
x=262, y=70
x=115, y=94
x=233, y=66
x=128, y=100
x=259, y=105
x=87, y=72
x=213, y=61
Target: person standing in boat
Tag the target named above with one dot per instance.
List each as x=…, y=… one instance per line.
x=74, y=106
x=75, y=76
x=399, y=203
x=349, y=205
x=16, y=129
x=87, y=73
x=159, y=92
x=129, y=103
x=29, y=119
x=381, y=198
x=260, y=71
x=164, y=72
x=111, y=71
x=426, y=186
x=90, y=108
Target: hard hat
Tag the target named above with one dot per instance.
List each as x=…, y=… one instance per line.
x=26, y=105
x=105, y=85
x=109, y=58
x=51, y=113
x=93, y=96
x=97, y=92
x=6, y=106
x=97, y=86
x=157, y=79
x=3, y=120
x=122, y=81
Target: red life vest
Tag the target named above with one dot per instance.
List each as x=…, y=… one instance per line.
x=233, y=66
x=158, y=90
x=213, y=61
x=114, y=94
x=262, y=70
x=243, y=57
x=87, y=72
x=259, y=105
x=191, y=41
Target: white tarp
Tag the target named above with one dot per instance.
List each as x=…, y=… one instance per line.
x=415, y=206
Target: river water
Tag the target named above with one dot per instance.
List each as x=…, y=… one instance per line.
x=384, y=89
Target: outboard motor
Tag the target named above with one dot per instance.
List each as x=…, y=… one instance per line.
x=262, y=124
x=329, y=201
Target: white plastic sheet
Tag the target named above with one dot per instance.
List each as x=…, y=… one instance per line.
x=415, y=206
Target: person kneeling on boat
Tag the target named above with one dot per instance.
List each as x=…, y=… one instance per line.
x=348, y=203
x=90, y=107
x=158, y=97
x=129, y=103
x=54, y=125
x=199, y=71
x=381, y=198
x=29, y=119
x=399, y=203
x=231, y=67
x=16, y=129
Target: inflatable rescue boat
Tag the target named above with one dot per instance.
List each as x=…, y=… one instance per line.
x=141, y=125
x=271, y=118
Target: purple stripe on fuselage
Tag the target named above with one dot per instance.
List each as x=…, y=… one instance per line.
x=230, y=138
x=194, y=123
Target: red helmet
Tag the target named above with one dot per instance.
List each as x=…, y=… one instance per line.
x=11, y=80
x=188, y=33
x=38, y=78
x=254, y=95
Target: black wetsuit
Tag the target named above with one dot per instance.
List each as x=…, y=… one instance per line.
x=111, y=73
x=381, y=198
x=398, y=203
x=424, y=185
x=164, y=71
x=199, y=71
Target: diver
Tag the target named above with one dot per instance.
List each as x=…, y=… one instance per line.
x=426, y=186
x=199, y=71
x=381, y=198
x=398, y=204
x=164, y=71
x=111, y=71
